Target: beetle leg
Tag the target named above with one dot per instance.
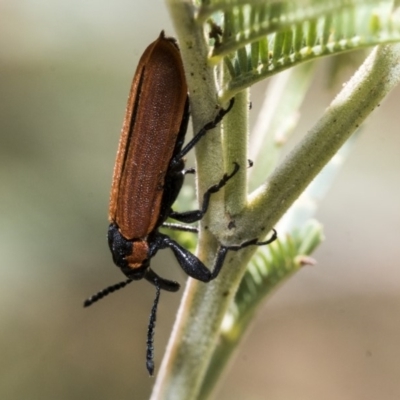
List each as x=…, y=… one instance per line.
x=189, y=171
x=194, y=267
x=197, y=215
x=180, y=227
x=165, y=284
x=253, y=242
x=223, y=250
x=207, y=127
x=188, y=261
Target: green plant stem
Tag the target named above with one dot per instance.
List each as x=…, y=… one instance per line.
x=235, y=144
x=269, y=268
x=277, y=118
x=203, y=306
x=371, y=83
x=183, y=367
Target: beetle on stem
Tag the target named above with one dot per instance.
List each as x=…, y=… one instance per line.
x=149, y=173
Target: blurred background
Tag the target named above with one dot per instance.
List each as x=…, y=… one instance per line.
x=331, y=332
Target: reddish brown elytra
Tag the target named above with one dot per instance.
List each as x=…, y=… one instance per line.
x=149, y=173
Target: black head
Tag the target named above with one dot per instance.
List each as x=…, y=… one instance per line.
x=130, y=256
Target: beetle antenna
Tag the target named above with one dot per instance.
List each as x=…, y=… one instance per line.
x=150, y=332
x=105, y=292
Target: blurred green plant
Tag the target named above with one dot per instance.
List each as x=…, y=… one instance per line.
x=227, y=46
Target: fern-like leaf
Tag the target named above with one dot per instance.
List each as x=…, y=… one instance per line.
x=257, y=39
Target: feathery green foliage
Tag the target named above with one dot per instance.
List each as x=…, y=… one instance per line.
x=260, y=38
